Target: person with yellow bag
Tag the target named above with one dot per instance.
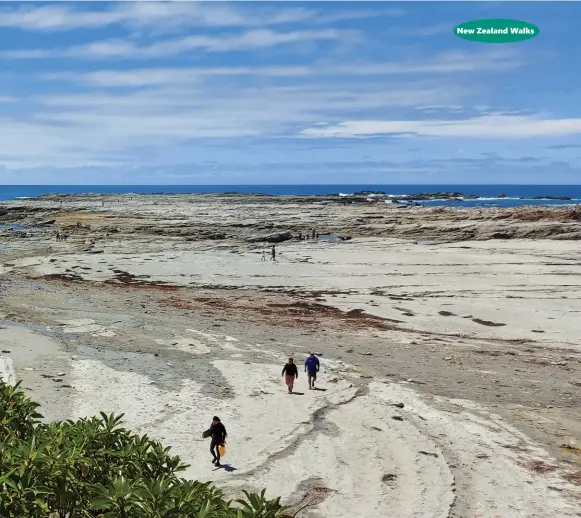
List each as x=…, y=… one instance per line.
x=217, y=432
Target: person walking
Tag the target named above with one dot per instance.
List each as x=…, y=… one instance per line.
x=311, y=368
x=263, y=258
x=290, y=373
x=217, y=432
x=273, y=254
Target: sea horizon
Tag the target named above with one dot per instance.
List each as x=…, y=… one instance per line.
x=2, y=185
x=512, y=195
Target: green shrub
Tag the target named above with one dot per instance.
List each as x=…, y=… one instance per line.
x=96, y=468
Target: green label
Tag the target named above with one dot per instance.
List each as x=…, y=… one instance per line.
x=496, y=31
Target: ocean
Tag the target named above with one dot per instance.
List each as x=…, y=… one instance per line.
x=515, y=195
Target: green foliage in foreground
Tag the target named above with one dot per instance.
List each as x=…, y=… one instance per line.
x=94, y=467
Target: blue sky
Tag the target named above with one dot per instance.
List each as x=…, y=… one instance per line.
x=284, y=92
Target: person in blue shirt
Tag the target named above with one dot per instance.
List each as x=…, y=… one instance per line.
x=311, y=368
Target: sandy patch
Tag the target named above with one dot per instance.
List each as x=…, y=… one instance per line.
x=515, y=290
x=188, y=345
x=85, y=325
x=292, y=443
x=279, y=440
x=7, y=373
x=488, y=456
x=363, y=453
x=383, y=472
x=213, y=337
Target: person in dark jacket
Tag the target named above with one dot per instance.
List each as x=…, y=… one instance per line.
x=290, y=373
x=217, y=432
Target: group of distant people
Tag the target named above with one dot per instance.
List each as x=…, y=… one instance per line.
x=61, y=237
x=217, y=431
x=303, y=237
x=272, y=254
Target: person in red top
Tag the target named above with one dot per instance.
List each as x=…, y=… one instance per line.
x=290, y=372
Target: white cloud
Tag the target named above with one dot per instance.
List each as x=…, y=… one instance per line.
x=52, y=17
x=358, y=14
x=296, y=101
x=489, y=126
x=122, y=48
x=26, y=54
x=137, y=15
x=173, y=15
x=442, y=63
x=184, y=105
x=171, y=76
x=69, y=127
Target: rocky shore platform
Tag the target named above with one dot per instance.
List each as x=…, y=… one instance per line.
x=449, y=340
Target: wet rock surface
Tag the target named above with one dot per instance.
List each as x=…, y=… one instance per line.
x=215, y=217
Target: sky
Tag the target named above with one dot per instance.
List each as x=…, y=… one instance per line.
x=286, y=93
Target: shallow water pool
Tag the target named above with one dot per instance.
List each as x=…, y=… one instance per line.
x=19, y=228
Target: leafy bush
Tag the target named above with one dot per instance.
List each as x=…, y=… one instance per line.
x=96, y=468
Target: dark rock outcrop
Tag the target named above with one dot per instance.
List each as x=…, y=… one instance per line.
x=562, y=198
x=279, y=237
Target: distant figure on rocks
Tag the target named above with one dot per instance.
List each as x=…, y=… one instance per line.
x=290, y=373
x=263, y=258
x=217, y=432
x=313, y=234
x=311, y=368
x=300, y=235
x=58, y=235
x=273, y=254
